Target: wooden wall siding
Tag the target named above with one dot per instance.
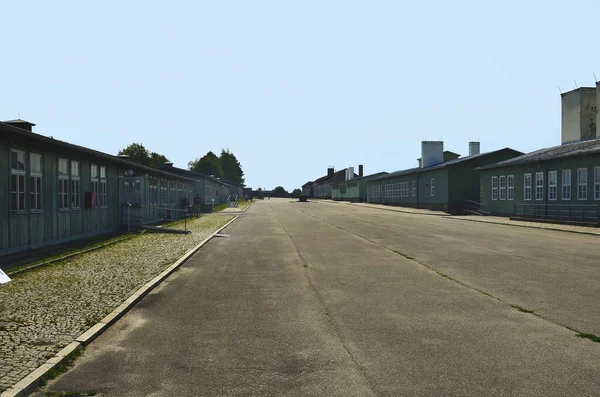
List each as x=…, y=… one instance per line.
x=19, y=232
x=50, y=182
x=37, y=235
x=76, y=222
x=4, y=193
x=508, y=207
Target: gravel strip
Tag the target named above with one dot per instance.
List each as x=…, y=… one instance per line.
x=45, y=309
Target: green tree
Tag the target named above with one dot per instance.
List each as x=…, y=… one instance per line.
x=157, y=159
x=296, y=192
x=279, y=191
x=232, y=169
x=208, y=164
x=137, y=152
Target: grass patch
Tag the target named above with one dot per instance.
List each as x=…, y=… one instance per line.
x=57, y=257
x=61, y=368
x=221, y=207
x=521, y=309
x=592, y=337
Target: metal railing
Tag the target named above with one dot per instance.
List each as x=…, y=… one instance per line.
x=473, y=208
x=561, y=212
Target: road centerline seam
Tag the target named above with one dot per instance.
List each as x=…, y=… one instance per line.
x=326, y=310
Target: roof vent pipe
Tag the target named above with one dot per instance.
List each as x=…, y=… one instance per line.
x=349, y=173
x=474, y=148
x=432, y=153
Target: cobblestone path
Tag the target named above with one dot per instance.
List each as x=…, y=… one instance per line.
x=45, y=309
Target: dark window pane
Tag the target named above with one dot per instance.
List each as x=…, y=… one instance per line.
x=22, y=185
x=13, y=204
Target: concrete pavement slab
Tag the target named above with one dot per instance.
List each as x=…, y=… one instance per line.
x=349, y=301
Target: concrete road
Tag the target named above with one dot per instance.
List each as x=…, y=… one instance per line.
x=320, y=299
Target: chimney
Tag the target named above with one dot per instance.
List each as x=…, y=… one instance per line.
x=432, y=153
x=22, y=124
x=330, y=172
x=578, y=114
x=420, y=162
x=360, y=170
x=349, y=173
x=474, y=148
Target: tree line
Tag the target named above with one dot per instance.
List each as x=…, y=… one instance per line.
x=226, y=166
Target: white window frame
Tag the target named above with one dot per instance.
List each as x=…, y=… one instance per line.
x=414, y=188
x=566, y=188
x=18, y=186
x=502, y=184
x=596, y=183
x=539, y=186
x=75, y=185
x=494, y=188
x=432, y=187
x=527, y=187
x=63, y=184
x=36, y=183
x=582, y=186
x=510, y=187
x=94, y=183
x=553, y=185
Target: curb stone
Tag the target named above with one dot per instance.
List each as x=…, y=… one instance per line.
x=28, y=384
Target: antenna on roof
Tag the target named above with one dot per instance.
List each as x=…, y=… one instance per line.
x=576, y=84
x=595, y=79
x=559, y=90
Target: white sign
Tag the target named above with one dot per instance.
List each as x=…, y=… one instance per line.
x=3, y=277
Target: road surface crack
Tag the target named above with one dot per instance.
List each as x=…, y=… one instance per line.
x=326, y=311
x=579, y=334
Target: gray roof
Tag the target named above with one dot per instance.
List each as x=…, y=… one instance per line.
x=82, y=149
x=581, y=148
x=445, y=164
x=18, y=121
x=372, y=175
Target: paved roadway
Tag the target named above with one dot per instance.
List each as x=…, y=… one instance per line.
x=323, y=299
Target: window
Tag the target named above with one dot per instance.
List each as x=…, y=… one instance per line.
x=552, y=185
x=510, y=191
x=75, y=185
x=539, y=185
x=63, y=184
x=582, y=184
x=566, y=184
x=596, y=183
x=35, y=182
x=527, y=186
x=503, y=187
x=414, y=188
x=432, y=187
x=17, y=181
x=94, y=179
x=494, y=188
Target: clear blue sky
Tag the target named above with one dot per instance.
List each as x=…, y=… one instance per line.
x=292, y=87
